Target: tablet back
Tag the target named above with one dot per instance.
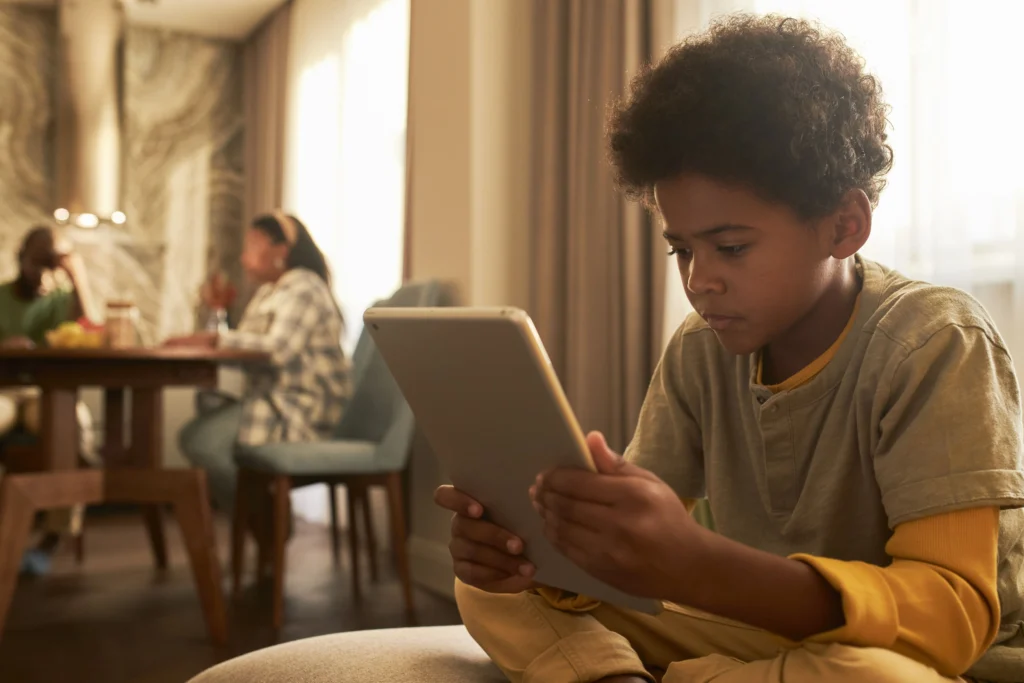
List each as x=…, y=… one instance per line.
x=486, y=398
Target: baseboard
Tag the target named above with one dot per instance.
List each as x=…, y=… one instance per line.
x=431, y=566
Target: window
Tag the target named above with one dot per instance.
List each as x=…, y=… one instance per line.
x=345, y=174
x=953, y=211
x=345, y=156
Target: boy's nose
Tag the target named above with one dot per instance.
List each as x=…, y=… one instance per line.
x=701, y=279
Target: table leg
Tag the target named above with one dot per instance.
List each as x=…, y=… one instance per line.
x=21, y=495
x=147, y=452
x=186, y=491
x=16, y=512
x=58, y=429
x=113, y=427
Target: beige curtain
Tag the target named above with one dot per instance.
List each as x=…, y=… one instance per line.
x=598, y=280
x=264, y=90
x=265, y=59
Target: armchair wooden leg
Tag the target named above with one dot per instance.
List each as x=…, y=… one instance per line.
x=353, y=536
x=332, y=493
x=240, y=526
x=398, y=536
x=282, y=507
x=79, y=543
x=371, y=537
x=261, y=522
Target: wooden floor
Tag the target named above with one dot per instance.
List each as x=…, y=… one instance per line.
x=118, y=620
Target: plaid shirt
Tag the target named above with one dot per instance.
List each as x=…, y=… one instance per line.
x=301, y=394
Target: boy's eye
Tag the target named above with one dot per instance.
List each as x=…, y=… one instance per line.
x=679, y=251
x=733, y=249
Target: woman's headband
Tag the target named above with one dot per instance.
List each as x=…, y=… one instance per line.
x=288, y=227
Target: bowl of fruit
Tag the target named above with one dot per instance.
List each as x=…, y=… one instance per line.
x=79, y=334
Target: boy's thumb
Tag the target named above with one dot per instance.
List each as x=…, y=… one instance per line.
x=605, y=459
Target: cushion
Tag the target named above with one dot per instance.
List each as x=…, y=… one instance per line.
x=404, y=655
x=311, y=458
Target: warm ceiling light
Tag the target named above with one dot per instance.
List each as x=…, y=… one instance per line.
x=62, y=215
x=118, y=218
x=87, y=220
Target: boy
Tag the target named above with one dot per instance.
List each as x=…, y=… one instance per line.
x=857, y=434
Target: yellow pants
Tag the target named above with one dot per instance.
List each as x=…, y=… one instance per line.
x=531, y=641
x=21, y=407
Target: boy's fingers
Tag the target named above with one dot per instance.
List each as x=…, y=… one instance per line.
x=580, y=484
x=451, y=498
x=606, y=489
x=462, y=549
x=486, y=533
x=491, y=580
x=477, y=574
x=577, y=543
x=583, y=513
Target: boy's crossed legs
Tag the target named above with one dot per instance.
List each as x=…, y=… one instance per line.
x=530, y=640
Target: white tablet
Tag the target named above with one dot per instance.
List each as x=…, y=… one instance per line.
x=487, y=399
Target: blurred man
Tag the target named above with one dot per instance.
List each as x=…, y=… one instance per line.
x=30, y=306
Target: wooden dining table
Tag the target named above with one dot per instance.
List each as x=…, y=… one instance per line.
x=47, y=475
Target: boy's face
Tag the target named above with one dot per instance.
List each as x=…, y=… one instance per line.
x=751, y=268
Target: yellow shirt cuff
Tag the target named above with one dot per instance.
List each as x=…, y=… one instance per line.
x=872, y=616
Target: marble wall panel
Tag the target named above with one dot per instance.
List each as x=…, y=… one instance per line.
x=27, y=67
x=183, y=175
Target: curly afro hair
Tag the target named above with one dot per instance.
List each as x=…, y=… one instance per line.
x=778, y=105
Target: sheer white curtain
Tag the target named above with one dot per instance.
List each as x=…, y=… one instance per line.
x=345, y=151
x=345, y=141
x=953, y=212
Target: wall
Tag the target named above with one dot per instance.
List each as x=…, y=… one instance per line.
x=183, y=180
x=183, y=187
x=469, y=97
x=470, y=90
x=27, y=66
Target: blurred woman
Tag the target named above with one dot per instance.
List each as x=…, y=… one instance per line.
x=300, y=394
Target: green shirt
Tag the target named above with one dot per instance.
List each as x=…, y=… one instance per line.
x=32, y=319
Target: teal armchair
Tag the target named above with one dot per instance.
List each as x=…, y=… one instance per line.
x=370, y=447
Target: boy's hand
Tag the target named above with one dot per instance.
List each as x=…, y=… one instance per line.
x=485, y=555
x=622, y=524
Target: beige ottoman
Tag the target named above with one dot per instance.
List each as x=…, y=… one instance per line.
x=403, y=655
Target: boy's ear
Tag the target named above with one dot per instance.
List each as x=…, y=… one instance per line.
x=851, y=224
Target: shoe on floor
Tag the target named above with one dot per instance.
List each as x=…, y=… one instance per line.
x=36, y=562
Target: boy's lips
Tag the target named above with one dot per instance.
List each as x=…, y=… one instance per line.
x=719, y=322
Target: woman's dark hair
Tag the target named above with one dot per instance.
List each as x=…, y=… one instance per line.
x=304, y=253
x=778, y=105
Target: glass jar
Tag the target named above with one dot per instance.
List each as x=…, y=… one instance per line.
x=122, y=325
x=217, y=321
